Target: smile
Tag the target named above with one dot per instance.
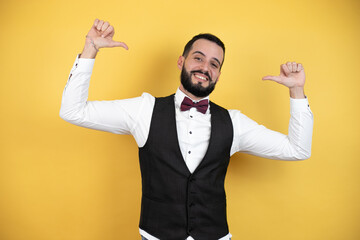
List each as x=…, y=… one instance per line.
x=201, y=77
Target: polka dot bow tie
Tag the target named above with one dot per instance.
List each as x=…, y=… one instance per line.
x=201, y=106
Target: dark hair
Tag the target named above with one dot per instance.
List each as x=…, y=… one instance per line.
x=206, y=36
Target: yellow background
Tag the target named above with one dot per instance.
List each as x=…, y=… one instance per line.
x=59, y=181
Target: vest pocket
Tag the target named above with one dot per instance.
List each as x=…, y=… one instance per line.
x=161, y=216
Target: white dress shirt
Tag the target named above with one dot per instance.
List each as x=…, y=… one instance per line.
x=133, y=116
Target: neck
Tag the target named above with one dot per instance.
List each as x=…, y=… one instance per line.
x=190, y=95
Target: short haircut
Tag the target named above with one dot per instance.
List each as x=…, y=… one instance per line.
x=207, y=36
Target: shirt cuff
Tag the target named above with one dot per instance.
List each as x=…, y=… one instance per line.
x=84, y=64
x=299, y=105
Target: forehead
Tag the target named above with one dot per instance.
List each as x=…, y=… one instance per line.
x=210, y=49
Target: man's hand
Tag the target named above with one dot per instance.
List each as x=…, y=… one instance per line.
x=292, y=75
x=100, y=36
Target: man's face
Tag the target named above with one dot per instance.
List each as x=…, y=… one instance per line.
x=200, y=70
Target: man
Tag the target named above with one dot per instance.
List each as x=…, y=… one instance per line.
x=184, y=140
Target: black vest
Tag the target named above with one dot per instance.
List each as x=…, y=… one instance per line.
x=175, y=203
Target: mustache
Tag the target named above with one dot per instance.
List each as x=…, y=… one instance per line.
x=205, y=73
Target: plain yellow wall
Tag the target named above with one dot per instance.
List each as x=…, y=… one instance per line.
x=63, y=182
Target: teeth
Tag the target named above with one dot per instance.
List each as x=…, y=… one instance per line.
x=201, y=77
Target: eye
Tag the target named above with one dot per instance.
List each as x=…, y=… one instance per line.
x=197, y=58
x=214, y=65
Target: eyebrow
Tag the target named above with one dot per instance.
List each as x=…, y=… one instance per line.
x=205, y=56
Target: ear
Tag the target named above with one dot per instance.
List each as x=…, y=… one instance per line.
x=180, y=62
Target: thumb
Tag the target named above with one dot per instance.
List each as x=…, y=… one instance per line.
x=272, y=78
x=119, y=44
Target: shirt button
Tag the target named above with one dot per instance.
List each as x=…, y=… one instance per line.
x=191, y=116
x=190, y=132
x=189, y=152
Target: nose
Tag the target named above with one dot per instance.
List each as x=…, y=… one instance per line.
x=205, y=66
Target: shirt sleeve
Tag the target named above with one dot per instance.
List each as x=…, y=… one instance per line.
x=128, y=116
x=255, y=139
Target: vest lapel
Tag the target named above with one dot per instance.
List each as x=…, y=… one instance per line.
x=182, y=163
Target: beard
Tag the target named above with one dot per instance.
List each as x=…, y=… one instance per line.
x=196, y=89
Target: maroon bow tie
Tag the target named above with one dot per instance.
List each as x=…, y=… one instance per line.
x=201, y=106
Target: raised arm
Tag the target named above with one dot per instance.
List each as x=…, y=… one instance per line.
x=252, y=138
x=128, y=116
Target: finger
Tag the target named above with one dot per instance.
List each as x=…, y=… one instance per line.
x=285, y=69
x=99, y=25
x=272, y=78
x=299, y=67
x=119, y=44
x=108, y=31
x=294, y=66
x=96, y=22
x=289, y=65
x=105, y=26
